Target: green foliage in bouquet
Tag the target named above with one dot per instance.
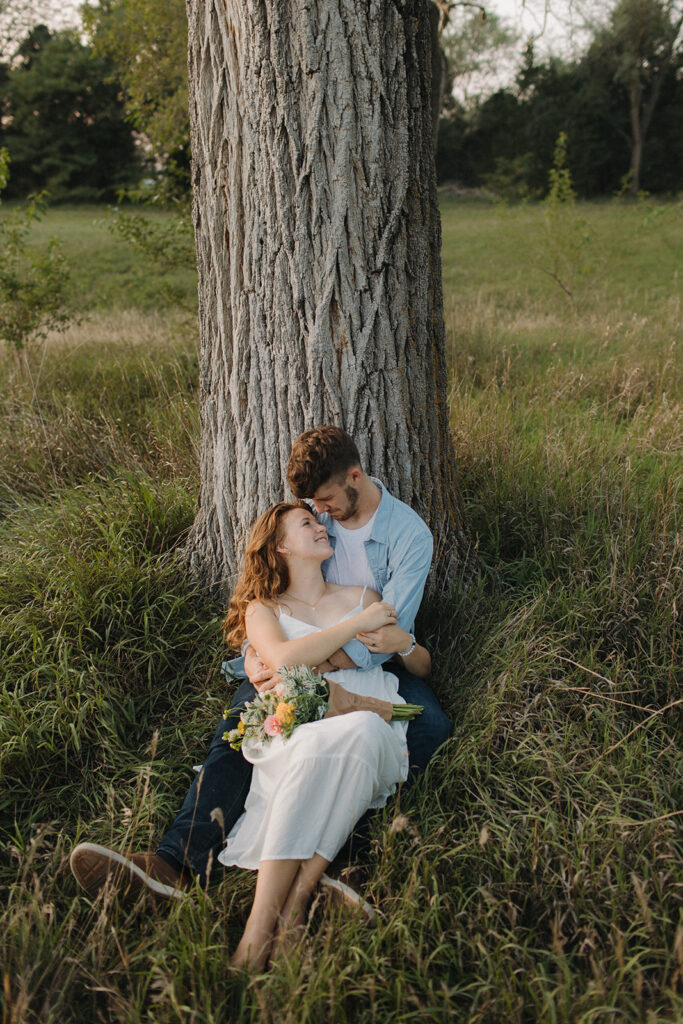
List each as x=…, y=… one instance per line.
x=301, y=696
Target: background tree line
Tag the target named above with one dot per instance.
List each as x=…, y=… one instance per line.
x=84, y=119
x=620, y=104
x=63, y=120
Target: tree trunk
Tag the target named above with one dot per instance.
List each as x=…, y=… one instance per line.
x=635, y=96
x=319, y=254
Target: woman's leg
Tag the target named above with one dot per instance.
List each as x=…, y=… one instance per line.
x=308, y=876
x=283, y=890
x=273, y=884
x=293, y=916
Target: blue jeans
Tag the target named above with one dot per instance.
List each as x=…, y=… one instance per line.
x=217, y=795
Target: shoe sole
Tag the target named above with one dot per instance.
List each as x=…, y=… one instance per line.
x=349, y=896
x=136, y=874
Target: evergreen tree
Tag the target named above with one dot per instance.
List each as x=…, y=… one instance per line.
x=146, y=41
x=65, y=125
x=506, y=142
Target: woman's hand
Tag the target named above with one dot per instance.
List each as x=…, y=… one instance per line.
x=375, y=616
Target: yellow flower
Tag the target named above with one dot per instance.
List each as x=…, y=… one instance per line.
x=284, y=712
x=241, y=727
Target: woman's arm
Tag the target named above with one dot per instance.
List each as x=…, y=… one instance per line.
x=419, y=661
x=393, y=640
x=267, y=636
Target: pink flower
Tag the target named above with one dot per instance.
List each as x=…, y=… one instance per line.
x=272, y=726
x=280, y=689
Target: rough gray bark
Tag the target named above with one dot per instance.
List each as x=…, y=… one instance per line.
x=319, y=254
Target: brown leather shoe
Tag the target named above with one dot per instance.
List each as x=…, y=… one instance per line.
x=94, y=866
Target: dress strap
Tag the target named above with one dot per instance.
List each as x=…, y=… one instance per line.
x=363, y=595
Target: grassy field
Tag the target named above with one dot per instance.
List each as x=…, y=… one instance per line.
x=535, y=873
x=109, y=274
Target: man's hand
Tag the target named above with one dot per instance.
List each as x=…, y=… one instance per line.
x=323, y=667
x=261, y=676
x=385, y=640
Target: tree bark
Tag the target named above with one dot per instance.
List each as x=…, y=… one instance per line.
x=319, y=254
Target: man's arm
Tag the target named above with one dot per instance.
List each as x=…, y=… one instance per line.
x=408, y=567
x=261, y=676
x=340, y=659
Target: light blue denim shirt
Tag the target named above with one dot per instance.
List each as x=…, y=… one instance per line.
x=399, y=552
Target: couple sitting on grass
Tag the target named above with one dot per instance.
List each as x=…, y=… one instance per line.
x=338, y=591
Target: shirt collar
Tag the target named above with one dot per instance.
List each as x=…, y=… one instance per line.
x=383, y=514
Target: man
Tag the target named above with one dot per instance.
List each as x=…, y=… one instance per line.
x=377, y=540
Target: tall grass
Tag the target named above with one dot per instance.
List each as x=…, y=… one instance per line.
x=534, y=874
x=118, y=392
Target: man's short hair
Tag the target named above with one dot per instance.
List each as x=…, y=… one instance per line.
x=319, y=455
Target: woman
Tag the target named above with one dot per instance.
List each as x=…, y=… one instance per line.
x=308, y=792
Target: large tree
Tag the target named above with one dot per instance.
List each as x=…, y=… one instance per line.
x=318, y=242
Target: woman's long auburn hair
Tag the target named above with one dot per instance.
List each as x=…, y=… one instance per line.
x=264, y=575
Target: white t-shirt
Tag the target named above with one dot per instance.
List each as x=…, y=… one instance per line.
x=349, y=564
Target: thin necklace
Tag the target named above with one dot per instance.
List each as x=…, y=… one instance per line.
x=307, y=603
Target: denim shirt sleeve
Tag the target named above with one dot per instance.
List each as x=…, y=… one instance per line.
x=234, y=669
x=409, y=563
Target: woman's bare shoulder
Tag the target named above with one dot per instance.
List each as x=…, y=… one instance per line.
x=262, y=609
x=370, y=596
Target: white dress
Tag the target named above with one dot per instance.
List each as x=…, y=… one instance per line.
x=307, y=792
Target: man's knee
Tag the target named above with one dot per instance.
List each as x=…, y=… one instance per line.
x=439, y=725
x=426, y=734
x=244, y=692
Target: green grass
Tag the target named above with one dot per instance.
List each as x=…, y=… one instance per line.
x=634, y=253
x=535, y=873
x=107, y=272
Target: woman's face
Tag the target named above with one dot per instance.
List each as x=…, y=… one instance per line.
x=304, y=537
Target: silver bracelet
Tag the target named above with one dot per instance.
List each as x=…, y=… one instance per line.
x=404, y=654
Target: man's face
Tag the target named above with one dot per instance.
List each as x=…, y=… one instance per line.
x=338, y=497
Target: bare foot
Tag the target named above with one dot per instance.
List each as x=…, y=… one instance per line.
x=290, y=932
x=286, y=941
x=252, y=951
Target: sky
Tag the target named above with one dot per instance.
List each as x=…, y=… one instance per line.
x=530, y=17
x=558, y=26
x=534, y=18
x=555, y=25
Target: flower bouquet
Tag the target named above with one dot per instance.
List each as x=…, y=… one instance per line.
x=304, y=696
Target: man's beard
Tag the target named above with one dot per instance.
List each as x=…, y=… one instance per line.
x=353, y=498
